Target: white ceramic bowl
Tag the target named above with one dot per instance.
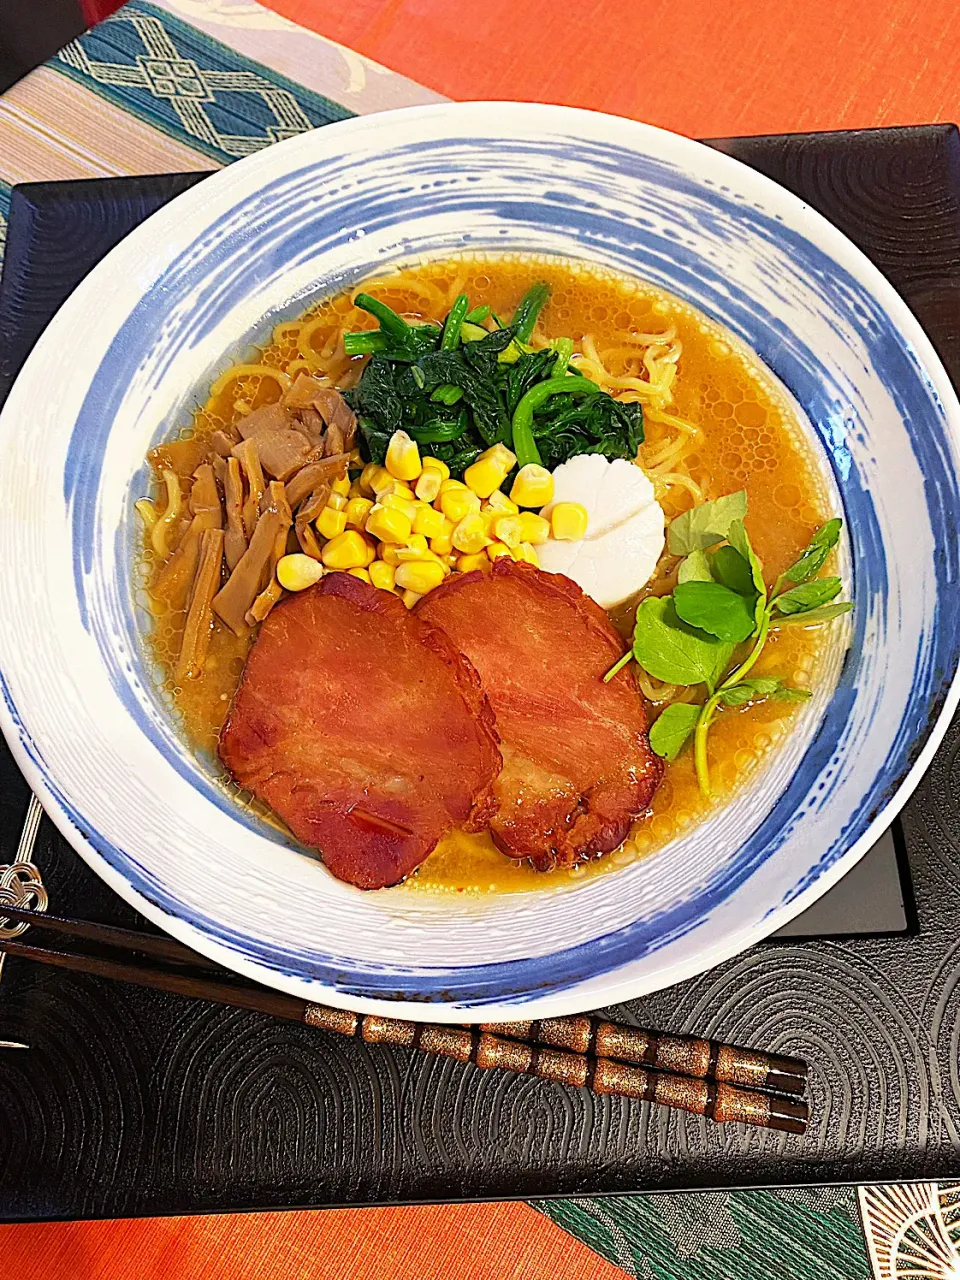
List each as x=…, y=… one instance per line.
x=175, y=303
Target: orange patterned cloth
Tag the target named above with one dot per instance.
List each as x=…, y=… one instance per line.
x=690, y=65
x=700, y=68
x=429, y=1242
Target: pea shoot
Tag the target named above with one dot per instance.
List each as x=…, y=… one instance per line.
x=712, y=629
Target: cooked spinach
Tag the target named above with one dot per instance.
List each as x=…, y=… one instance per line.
x=460, y=388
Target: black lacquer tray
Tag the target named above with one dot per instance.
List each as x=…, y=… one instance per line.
x=132, y=1102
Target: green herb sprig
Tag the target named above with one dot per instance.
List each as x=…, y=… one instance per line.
x=720, y=604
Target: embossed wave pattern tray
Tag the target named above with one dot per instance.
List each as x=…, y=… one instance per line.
x=135, y=1102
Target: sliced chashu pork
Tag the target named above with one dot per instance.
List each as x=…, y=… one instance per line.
x=577, y=765
x=363, y=728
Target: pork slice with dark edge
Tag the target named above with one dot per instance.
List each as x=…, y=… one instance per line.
x=577, y=765
x=364, y=729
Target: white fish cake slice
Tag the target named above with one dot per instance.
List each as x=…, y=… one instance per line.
x=625, y=528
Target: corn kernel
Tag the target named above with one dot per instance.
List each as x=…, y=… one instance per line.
x=381, y=480
x=345, y=551
x=337, y=501
x=467, y=563
x=457, y=503
x=388, y=524
x=527, y=553
x=382, y=575
x=446, y=484
x=331, y=522
x=428, y=521
x=357, y=510
x=508, y=529
x=356, y=490
x=421, y=576
x=359, y=573
x=497, y=549
x=415, y=549
x=398, y=502
x=469, y=535
x=442, y=543
x=428, y=486
x=498, y=501
x=399, y=487
x=535, y=529
x=434, y=464
x=488, y=473
x=568, y=521
x=500, y=454
x=426, y=557
x=371, y=552
x=388, y=552
x=533, y=486
x=341, y=486
x=295, y=572
x=403, y=457
x=367, y=475
x=410, y=598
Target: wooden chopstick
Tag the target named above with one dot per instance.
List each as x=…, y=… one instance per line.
x=692, y=1056
x=686, y=1055
x=715, y=1100
x=108, y=935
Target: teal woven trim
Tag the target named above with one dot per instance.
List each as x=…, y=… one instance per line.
x=194, y=89
x=4, y=215
x=810, y=1234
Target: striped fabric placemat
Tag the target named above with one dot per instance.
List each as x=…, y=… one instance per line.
x=182, y=85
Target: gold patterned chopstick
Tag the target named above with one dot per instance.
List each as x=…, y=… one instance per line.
x=714, y=1100
x=717, y=1100
x=686, y=1055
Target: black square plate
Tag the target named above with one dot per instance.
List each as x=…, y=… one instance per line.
x=132, y=1102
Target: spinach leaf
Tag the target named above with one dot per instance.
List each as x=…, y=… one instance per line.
x=527, y=313
x=565, y=426
x=812, y=560
x=450, y=338
x=809, y=595
x=376, y=442
x=706, y=525
x=695, y=568
x=814, y=617
x=395, y=338
x=673, y=651
x=672, y=728
x=377, y=397
x=716, y=609
x=523, y=374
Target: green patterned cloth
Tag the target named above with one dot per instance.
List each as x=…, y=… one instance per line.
x=803, y=1234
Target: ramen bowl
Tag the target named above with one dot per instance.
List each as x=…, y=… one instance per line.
x=179, y=301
